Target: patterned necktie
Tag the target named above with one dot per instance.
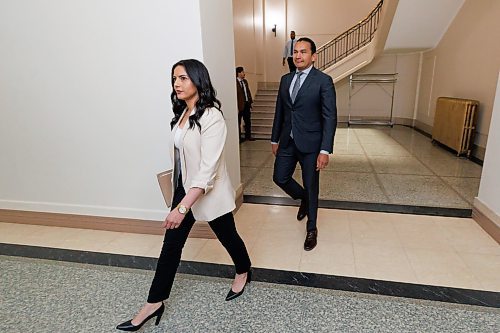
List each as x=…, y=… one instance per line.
x=296, y=86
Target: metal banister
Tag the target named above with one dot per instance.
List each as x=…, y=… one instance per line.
x=349, y=41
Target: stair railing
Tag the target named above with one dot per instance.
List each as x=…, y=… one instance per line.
x=349, y=41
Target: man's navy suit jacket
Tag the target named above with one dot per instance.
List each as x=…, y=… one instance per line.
x=312, y=117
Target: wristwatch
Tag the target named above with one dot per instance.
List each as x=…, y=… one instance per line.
x=182, y=209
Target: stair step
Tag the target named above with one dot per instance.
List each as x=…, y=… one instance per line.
x=257, y=128
x=263, y=115
x=265, y=98
x=259, y=135
x=267, y=93
x=259, y=122
x=264, y=103
x=268, y=85
x=263, y=109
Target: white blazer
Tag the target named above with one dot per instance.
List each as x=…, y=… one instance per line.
x=204, y=166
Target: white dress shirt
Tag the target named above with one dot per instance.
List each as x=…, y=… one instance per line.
x=288, y=50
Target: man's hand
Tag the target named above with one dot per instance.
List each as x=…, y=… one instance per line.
x=274, y=148
x=322, y=161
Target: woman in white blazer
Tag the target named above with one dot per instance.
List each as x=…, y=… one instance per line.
x=203, y=190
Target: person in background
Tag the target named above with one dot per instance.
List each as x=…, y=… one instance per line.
x=288, y=52
x=203, y=190
x=245, y=101
x=304, y=127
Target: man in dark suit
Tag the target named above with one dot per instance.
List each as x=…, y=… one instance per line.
x=245, y=101
x=303, y=130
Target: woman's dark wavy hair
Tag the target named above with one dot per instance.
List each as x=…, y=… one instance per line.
x=198, y=74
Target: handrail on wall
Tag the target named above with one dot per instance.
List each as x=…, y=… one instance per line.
x=349, y=41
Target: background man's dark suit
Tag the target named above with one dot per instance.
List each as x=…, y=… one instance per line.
x=313, y=120
x=244, y=107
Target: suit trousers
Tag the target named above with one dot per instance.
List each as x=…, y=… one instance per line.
x=170, y=256
x=284, y=166
x=245, y=114
x=291, y=65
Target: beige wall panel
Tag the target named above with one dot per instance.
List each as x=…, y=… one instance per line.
x=274, y=13
x=374, y=100
x=467, y=61
x=246, y=39
x=342, y=89
x=425, y=111
x=259, y=40
x=407, y=67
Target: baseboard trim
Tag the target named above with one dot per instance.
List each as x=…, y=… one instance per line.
x=137, y=226
x=487, y=219
x=199, y=230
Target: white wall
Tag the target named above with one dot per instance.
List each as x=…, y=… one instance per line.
x=218, y=56
x=85, y=101
x=489, y=189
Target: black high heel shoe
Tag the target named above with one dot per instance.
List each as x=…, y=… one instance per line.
x=128, y=326
x=232, y=295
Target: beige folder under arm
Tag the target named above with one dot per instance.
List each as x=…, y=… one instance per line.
x=165, y=181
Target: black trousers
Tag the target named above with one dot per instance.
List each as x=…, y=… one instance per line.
x=170, y=256
x=284, y=166
x=291, y=65
x=245, y=114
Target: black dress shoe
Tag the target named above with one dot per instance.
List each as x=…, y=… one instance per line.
x=128, y=326
x=311, y=240
x=302, y=210
x=232, y=295
x=250, y=139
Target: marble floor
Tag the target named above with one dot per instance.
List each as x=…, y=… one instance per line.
x=383, y=165
x=415, y=249
x=46, y=296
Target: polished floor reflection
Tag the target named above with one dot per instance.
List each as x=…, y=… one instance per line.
x=377, y=165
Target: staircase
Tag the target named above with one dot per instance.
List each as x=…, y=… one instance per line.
x=263, y=107
x=359, y=45
x=340, y=57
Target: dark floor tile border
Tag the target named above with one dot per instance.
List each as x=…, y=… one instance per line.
x=421, y=131
x=476, y=160
x=364, y=206
x=351, y=284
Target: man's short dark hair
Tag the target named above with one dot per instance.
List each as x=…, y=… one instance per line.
x=310, y=41
x=239, y=69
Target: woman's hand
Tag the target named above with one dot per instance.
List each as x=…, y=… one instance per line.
x=173, y=220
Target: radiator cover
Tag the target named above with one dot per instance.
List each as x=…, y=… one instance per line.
x=455, y=123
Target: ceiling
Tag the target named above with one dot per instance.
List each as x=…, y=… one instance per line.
x=419, y=25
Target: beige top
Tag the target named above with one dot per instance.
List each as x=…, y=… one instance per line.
x=203, y=165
